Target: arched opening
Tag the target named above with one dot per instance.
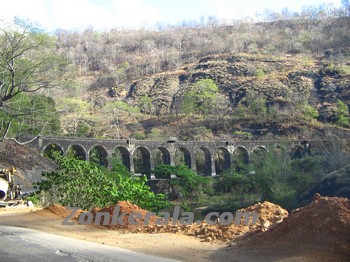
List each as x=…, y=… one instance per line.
x=122, y=155
x=240, y=158
x=280, y=153
x=183, y=156
x=257, y=156
x=203, y=161
x=278, y=160
x=161, y=156
x=77, y=152
x=51, y=150
x=297, y=152
x=98, y=154
x=222, y=160
x=142, y=160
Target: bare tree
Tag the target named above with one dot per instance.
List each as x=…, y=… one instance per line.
x=27, y=64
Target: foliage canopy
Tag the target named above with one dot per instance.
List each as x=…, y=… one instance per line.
x=82, y=184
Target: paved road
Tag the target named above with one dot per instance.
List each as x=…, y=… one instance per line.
x=28, y=245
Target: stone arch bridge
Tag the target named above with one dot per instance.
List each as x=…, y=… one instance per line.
x=216, y=155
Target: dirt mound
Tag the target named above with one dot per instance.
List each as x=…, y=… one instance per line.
x=324, y=224
x=127, y=208
x=63, y=211
x=59, y=210
x=268, y=214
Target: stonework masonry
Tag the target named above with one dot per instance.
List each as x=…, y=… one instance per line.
x=106, y=147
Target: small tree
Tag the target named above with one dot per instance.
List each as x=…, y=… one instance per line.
x=186, y=184
x=342, y=114
x=146, y=104
x=27, y=63
x=201, y=97
x=240, y=183
x=38, y=115
x=256, y=105
x=310, y=113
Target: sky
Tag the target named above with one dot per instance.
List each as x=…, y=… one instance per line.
x=104, y=15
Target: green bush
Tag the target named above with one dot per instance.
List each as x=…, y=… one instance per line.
x=343, y=121
x=343, y=70
x=238, y=183
x=187, y=184
x=138, y=135
x=310, y=113
x=259, y=73
x=342, y=114
x=243, y=134
x=125, y=107
x=82, y=184
x=34, y=198
x=329, y=69
x=156, y=133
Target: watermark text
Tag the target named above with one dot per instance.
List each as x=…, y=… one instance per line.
x=162, y=218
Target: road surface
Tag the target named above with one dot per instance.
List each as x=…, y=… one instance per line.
x=28, y=245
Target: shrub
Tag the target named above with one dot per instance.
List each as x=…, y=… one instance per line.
x=125, y=107
x=138, y=135
x=187, y=183
x=34, y=198
x=82, y=184
x=259, y=73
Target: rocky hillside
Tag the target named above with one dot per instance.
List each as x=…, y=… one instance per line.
x=280, y=79
x=29, y=164
x=283, y=83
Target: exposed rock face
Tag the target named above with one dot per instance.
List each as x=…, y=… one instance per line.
x=281, y=80
x=29, y=164
x=162, y=89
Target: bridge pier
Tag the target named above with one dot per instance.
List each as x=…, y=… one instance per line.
x=212, y=165
x=131, y=164
x=148, y=164
x=172, y=159
x=232, y=160
x=193, y=163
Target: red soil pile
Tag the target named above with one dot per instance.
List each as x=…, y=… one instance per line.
x=63, y=211
x=323, y=224
x=59, y=210
x=127, y=208
x=268, y=214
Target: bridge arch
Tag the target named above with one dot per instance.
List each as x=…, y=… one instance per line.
x=280, y=147
x=222, y=160
x=280, y=152
x=162, y=155
x=259, y=147
x=51, y=149
x=241, y=157
x=99, y=155
x=142, y=160
x=204, y=165
x=184, y=156
x=258, y=155
x=122, y=154
x=240, y=154
x=77, y=151
x=298, y=151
